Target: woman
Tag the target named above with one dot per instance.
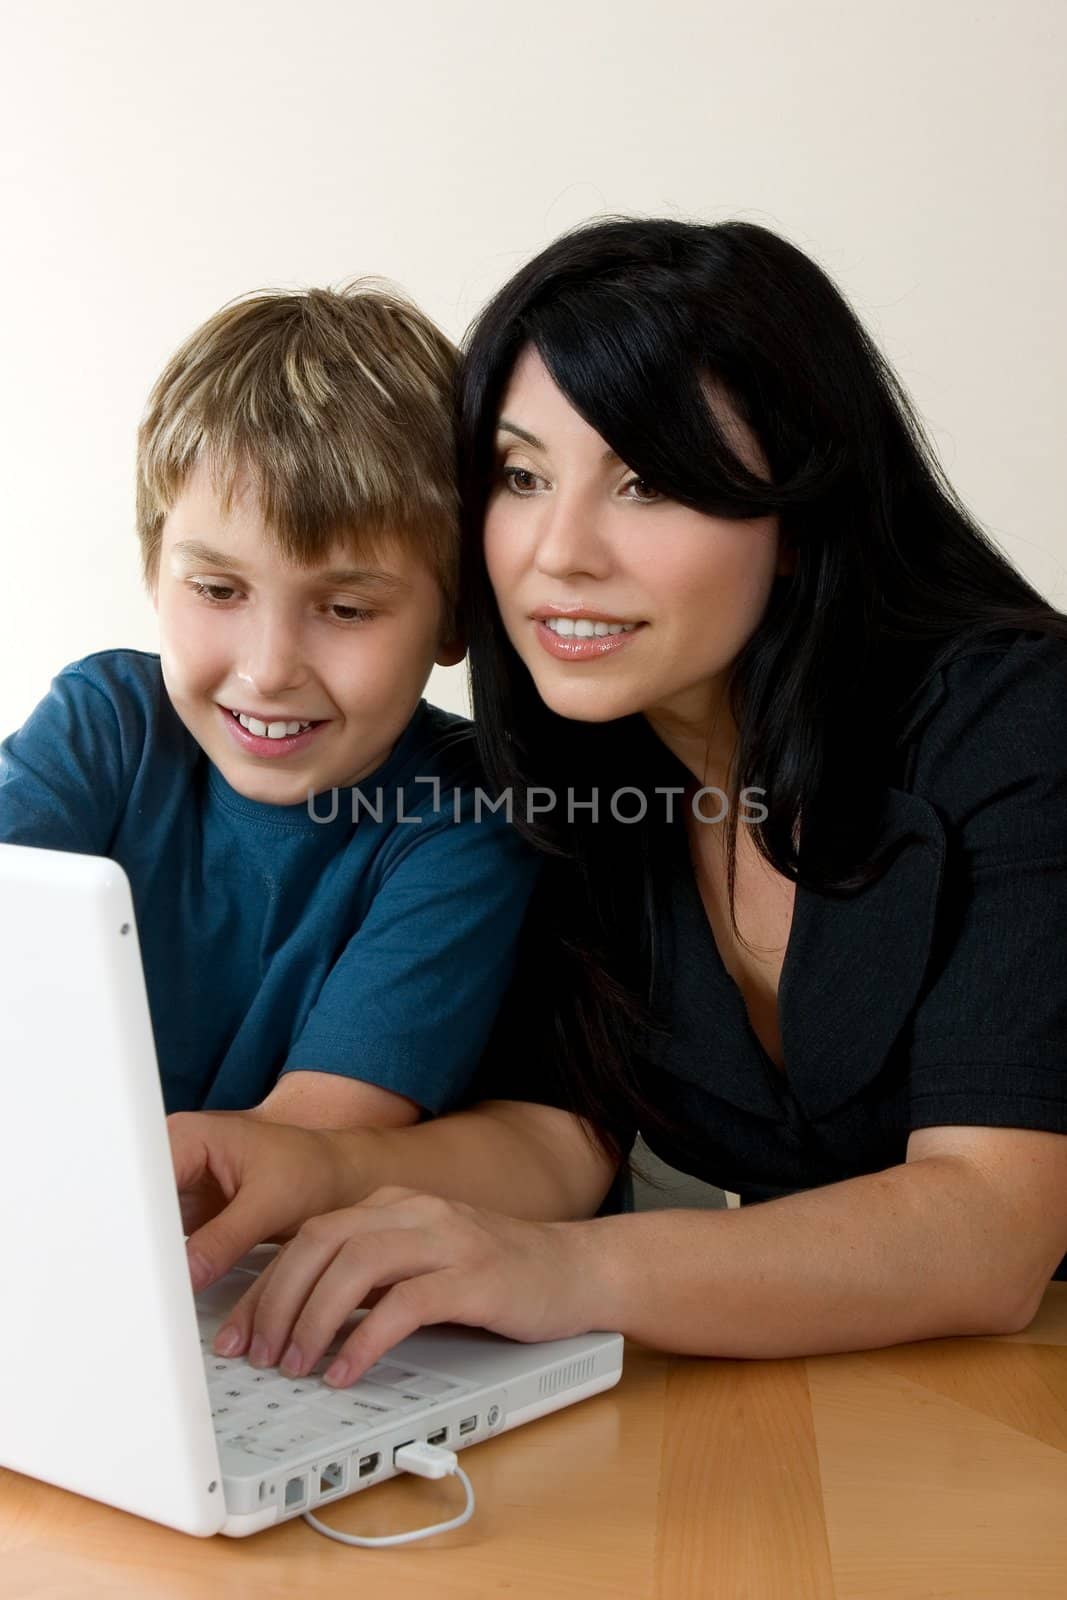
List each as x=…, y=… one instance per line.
x=793, y=736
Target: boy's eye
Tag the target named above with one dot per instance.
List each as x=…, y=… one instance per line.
x=217, y=594
x=355, y=613
x=214, y=593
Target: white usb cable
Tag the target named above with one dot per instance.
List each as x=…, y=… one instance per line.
x=426, y=1461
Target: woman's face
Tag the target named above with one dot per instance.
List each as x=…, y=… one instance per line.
x=576, y=545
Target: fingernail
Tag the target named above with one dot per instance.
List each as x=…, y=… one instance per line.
x=227, y=1340
x=292, y=1361
x=199, y=1270
x=259, y=1351
x=337, y=1373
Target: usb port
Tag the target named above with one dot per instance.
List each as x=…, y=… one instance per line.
x=468, y=1424
x=437, y=1438
x=370, y=1464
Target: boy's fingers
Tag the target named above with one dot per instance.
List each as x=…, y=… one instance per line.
x=249, y=1219
x=208, y=1151
x=188, y=1149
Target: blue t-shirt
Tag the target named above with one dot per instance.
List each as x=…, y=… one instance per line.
x=272, y=941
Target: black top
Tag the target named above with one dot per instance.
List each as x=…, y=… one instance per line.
x=935, y=996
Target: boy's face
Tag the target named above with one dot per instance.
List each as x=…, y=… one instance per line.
x=346, y=647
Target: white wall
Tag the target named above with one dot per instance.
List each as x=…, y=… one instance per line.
x=158, y=160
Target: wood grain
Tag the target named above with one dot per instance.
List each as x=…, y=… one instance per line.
x=934, y=1471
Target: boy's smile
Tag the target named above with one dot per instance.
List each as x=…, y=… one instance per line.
x=269, y=736
x=292, y=679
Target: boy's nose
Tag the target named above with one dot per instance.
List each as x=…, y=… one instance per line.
x=272, y=663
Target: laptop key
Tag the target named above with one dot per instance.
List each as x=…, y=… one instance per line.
x=351, y=1405
x=255, y=1380
x=235, y=1393
x=279, y=1442
x=242, y=1427
x=299, y=1389
x=275, y=1410
x=350, y=1427
x=220, y=1414
x=372, y=1393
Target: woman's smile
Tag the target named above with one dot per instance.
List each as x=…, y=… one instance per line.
x=581, y=641
x=578, y=633
x=565, y=521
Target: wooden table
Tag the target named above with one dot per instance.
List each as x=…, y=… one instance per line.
x=932, y=1470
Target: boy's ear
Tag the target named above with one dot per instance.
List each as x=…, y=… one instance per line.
x=450, y=652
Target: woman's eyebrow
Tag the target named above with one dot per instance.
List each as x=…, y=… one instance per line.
x=504, y=426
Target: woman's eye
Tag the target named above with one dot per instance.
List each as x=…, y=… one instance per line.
x=648, y=493
x=520, y=480
x=214, y=593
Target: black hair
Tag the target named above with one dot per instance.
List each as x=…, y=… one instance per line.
x=638, y=322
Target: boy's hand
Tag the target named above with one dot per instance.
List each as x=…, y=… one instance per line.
x=243, y=1182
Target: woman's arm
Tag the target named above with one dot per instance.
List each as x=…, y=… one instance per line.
x=941, y=1246
x=948, y=1244
x=244, y=1180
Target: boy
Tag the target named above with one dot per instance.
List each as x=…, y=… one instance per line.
x=327, y=922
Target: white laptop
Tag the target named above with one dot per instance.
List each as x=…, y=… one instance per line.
x=108, y=1383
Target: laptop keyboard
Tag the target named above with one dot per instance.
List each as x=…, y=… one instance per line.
x=261, y=1413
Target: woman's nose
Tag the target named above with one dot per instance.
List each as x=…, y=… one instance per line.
x=570, y=541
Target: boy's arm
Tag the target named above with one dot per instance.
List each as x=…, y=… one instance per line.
x=326, y=1100
x=531, y=1161
x=62, y=781
x=408, y=1006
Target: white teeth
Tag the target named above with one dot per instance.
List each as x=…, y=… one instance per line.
x=584, y=628
x=270, y=730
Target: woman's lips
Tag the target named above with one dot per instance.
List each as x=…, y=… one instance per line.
x=270, y=748
x=570, y=648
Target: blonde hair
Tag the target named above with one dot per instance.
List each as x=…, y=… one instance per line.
x=336, y=405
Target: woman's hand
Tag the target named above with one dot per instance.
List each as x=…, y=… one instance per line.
x=243, y=1182
x=419, y=1260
